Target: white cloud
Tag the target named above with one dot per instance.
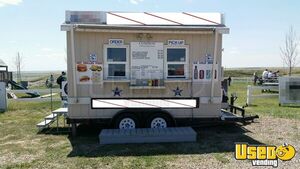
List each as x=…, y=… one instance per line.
x=10, y=2
x=135, y=2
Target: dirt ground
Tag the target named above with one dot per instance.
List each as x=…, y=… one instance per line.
x=22, y=147
x=268, y=130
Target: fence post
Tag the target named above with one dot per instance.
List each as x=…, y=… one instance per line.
x=249, y=94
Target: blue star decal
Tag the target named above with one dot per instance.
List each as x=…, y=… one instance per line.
x=177, y=91
x=117, y=92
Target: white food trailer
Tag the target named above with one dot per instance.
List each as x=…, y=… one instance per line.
x=131, y=70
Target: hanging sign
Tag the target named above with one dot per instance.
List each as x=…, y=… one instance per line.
x=89, y=73
x=203, y=72
x=93, y=57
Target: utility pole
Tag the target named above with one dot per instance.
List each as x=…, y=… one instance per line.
x=18, y=63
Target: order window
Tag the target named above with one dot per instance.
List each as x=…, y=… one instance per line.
x=176, y=62
x=116, y=62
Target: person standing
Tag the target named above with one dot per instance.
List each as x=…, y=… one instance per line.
x=265, y=74
x=60, y=79
x=229, y=80
x=255, y=78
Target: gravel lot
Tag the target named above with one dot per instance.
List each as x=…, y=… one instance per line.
x=267, y=130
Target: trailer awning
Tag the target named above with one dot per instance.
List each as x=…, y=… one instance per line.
x=183, y=21
x=144, y=18
x=163, y=18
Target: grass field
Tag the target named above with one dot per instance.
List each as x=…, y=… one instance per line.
x=248, y=72
x=264, y=106
x=21, y=146
x=33, y=76
x=36, y=79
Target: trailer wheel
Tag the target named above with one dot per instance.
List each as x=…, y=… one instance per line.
x=159, y=120
x=126, y=121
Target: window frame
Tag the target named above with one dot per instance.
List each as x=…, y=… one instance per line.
x=106, y=62
x=185, y=63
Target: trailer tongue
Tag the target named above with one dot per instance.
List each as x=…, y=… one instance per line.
x=228, y=116
x=232, y=115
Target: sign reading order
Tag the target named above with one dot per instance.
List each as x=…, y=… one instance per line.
x=116, y=42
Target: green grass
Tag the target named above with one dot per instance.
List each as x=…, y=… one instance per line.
x=248, y=72
x=263, y=106
x=221, y=157
x=34, y=76
x=37, y=79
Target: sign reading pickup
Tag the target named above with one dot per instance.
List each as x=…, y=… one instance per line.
x=144, y=103
x=176, y=42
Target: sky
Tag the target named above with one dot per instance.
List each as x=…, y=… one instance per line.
x=257, y=28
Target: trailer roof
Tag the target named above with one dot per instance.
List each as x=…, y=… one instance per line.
x=145, y=18
x=179, y=22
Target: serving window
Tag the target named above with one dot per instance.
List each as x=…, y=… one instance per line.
x=176, y=61
x=116, y=62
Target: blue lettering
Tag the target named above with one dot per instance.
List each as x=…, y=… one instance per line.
x=115, y=42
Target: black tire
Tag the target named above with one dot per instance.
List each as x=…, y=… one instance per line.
x=168, y=119
x=123, y=116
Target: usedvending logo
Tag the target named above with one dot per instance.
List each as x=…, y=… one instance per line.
x=263, y=155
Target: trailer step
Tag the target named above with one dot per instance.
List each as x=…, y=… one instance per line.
x=51, y=117
x=147, y=135
x=61, y=111
x=44, y=124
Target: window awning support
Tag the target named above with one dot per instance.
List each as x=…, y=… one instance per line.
x=73, y=61
x=214, y=64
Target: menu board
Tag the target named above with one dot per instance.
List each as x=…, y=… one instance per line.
x=146, y=60
x=89, y=73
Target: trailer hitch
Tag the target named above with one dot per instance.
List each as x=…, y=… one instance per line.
x=233, y=115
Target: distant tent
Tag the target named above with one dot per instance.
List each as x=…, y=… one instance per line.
x=2, y=64
x=5, y=76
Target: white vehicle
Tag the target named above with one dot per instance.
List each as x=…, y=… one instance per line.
x=131, y=70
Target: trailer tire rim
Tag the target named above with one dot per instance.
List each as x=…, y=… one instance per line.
x=158, y=122
x=127, y=123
